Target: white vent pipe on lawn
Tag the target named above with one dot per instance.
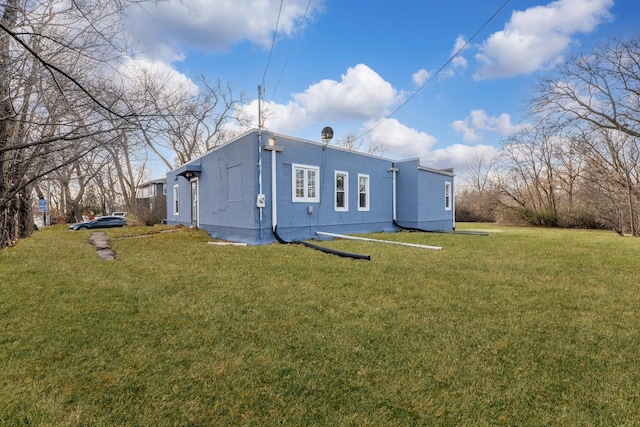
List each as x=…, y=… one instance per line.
x=366, y=239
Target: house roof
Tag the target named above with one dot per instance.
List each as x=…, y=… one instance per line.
x=154, y=181
x=194, y=166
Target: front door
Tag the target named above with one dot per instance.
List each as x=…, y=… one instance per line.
x=194, y=203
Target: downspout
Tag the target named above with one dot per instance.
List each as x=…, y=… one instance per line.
x=271, y=146
x=260, y=197
x=274, y=191
x=393, y=170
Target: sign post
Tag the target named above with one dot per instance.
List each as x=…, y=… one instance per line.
x=42, y=207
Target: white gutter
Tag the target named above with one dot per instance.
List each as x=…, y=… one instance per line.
x=343, y=236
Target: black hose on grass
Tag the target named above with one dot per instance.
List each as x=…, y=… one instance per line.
x=320, y=248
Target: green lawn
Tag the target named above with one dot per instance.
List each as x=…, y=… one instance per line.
x=524, y=327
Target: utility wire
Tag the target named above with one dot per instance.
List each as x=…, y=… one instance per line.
x=273, y=43
x=286, y=62
x=456, y=53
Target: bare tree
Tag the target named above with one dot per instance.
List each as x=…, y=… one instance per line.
x=528, y=181
x=480, y=172
x=611, y=174
x=353, y=143
x=477, y=198
x=55, y=57
x=186, y=122
x=601, y=89
x=349, y=142
x=595, y=99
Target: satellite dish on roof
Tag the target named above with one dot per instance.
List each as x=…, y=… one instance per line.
x=326, y=134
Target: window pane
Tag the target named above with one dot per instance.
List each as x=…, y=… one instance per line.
x=340, y=191
x=447, y=195
x=299, y=183
x=176, y=200
x=363, y=184
x=311, y=183
x=305, y=184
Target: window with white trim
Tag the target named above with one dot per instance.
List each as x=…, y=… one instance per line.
x=363, y=192
x=447, y=196
x=176, y=200
x=305, y=183
x=341, y=183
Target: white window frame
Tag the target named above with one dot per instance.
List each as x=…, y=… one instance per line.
x=344, y=208
x=176, y=199
x=306, y=198
x=367, y=193
x=447, y=195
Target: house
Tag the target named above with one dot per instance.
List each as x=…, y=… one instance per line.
x=260, y=181
x=151, y=201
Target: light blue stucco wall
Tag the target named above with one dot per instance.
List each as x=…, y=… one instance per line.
x=407, y=192
x=421, y=198
x=228, y=180
x=300, y=221
x=227, y=189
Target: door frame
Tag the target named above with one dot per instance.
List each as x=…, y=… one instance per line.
x=195, y=204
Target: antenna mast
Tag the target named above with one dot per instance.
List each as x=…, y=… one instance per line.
x=259, y=107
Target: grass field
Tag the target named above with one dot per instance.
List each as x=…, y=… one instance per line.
x=523, y=327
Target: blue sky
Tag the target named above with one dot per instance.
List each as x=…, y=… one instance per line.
x=349, y=64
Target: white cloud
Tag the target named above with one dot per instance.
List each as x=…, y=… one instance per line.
x=167, y=27
x=361, y=98
x=459, y=61
x=477, y=122
x=420, y=77
x=536, y=38
x=134, y=71
x=282, y=118
x=398, y=140
x=360, y=95
x=459, y=156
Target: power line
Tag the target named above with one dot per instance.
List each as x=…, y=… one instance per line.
x=286, y=62
x=273, y=43
x=455, y=54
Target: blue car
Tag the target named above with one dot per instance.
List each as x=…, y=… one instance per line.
x=100, y=222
